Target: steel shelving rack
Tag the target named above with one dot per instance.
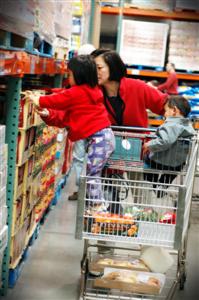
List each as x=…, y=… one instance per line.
x=14, y=65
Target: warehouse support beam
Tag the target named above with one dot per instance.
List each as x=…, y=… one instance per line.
x=12, y=105
x=95, y=23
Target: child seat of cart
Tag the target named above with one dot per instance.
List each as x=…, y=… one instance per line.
x=128, y=148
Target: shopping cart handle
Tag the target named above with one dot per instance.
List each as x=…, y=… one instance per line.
x=133, y=128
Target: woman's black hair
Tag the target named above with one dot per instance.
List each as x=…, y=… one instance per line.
x=181, y=103
x=116, y=66
x=84, y=70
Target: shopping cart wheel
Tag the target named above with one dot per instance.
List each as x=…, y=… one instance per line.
x=182, y=280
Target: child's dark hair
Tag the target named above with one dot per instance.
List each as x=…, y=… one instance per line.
x=181, y=103
x=116, y=66
x=84, y=70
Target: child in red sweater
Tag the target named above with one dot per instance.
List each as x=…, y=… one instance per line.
x=81, y=109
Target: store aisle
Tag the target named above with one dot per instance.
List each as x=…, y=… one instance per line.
x=52, y=270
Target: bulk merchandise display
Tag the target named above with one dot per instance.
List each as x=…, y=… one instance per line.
x=187, y=5
x=183, y=45
x=34, y=188
x=37, y=167
x=81, y=11
x=155, y=4
x=147, y=42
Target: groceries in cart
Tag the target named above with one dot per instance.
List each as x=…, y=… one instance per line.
x=145, y=231
x=100, y=262
x=110, y=224
x=131, y=281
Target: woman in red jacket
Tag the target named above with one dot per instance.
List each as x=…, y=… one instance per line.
x=81, y=109
x=126, y=99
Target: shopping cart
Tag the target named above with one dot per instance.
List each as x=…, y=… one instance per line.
x=138, y=213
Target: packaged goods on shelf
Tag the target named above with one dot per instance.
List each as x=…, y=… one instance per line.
x=45, y=20
x=3, y=216
x=186, y=5
x=61, y=47
x=3, y=175
x=77, y=8
x=154, y=4
x=191, y=94
x=3, y=182
x=147, y=42
x=2, y=197
x=18, y=243
x=3, y=244
x=17, y=17
x=63, y=19
x=3, y=155
x=60, y=155
x=27, y=204
x=25, y=144
x=183, y=45
x=76, y=25
x=17, y=214
x=26, y=115
x=2, y=134
x=110, y=3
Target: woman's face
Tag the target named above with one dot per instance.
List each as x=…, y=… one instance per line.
x=71, y=79
x=103, y=73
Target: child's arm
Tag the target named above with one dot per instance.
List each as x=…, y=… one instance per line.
x=58, y=101
x=54, y=117
x=167, y=135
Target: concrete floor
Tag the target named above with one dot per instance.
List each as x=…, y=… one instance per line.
x=52, y=271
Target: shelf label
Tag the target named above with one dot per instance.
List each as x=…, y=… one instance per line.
x=135, y=71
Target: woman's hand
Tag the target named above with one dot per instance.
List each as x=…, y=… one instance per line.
x=43, y=112
x=145, y=148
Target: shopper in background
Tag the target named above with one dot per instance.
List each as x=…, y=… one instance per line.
x=166, y=151
x=126, y=99
x=170, y=86
x=81, y=109
x=79, y=146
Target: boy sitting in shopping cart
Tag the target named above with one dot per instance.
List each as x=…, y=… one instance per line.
x=169, y=150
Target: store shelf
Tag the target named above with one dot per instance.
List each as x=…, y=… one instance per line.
x=152, y=13
x=153, y=73
x=158, y=122
x=20, y=63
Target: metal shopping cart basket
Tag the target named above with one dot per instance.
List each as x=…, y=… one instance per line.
x=134, y=213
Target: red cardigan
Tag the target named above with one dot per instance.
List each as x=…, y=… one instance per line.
x=170, y=86
x=138, y=97
x=80, y=108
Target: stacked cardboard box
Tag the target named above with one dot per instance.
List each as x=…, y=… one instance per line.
x=143, y=43
x=183, y=45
